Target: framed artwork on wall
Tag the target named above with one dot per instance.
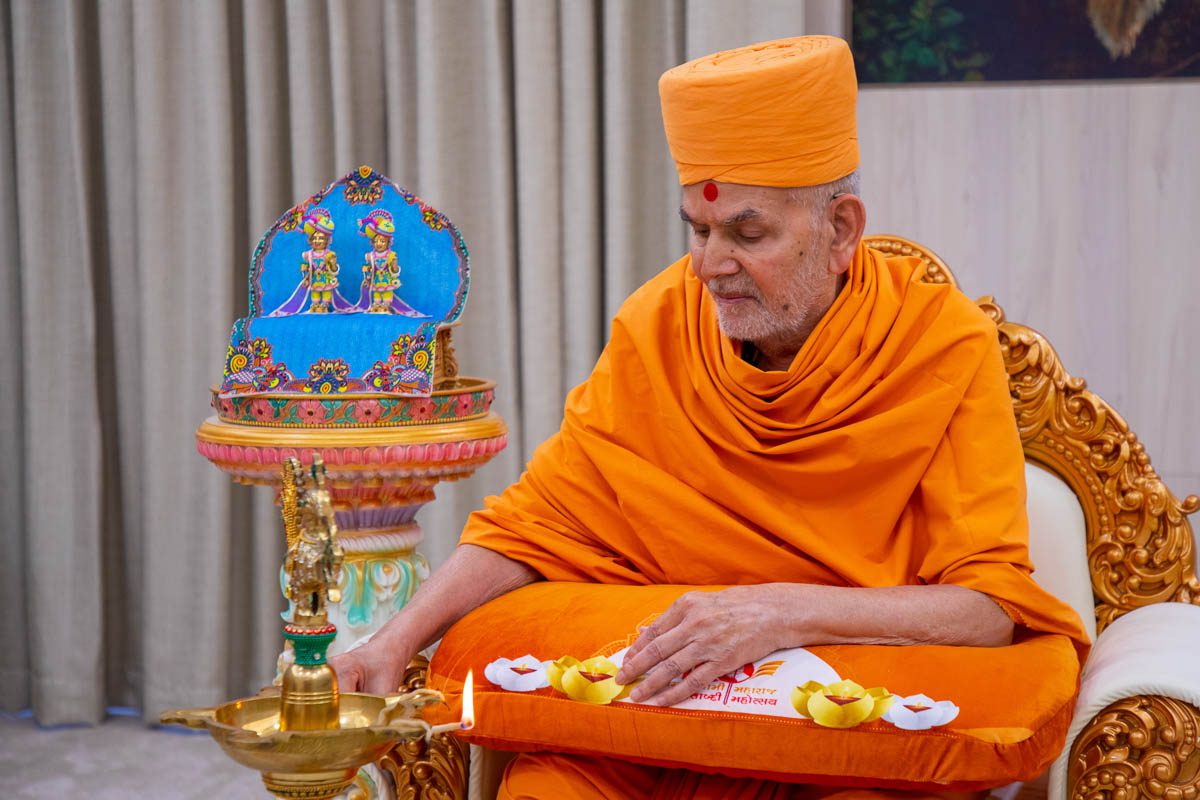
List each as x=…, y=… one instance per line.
x=935, y=41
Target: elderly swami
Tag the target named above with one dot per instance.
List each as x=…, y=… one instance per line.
x=783, y=410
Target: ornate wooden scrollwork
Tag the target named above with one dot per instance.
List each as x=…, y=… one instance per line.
x=1140, y=548
x=1143, y=746
x=936, y=270
x=445, y=362
x=433, y=771
x=1139, y=541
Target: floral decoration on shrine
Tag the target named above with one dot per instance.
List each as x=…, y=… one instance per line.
x=249, y=368
x=364, y=186
x=354, y=410
x=330, y=376
x=408, y=368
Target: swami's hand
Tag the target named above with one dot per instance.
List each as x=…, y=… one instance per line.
x=469, y=578
x=702, y=636
x=374, y=668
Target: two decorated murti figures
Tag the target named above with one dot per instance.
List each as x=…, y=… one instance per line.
x=319, y=265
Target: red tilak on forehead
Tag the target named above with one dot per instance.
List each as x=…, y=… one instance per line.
x=710, y=191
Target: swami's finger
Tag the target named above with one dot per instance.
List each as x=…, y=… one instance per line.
x=660, y=677
x=667, y=620
x=655, y=650
x=696, y=681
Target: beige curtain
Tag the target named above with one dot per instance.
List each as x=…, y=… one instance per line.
x=145, y=145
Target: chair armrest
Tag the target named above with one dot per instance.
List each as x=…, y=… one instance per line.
x=1140, y=691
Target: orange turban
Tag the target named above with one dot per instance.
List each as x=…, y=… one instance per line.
x=778, y=113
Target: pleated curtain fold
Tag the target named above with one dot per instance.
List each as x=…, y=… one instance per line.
x=145, y=146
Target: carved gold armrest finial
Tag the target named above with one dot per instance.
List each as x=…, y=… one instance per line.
x=1142, y=746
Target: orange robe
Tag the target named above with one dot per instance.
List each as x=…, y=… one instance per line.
x=886, y=455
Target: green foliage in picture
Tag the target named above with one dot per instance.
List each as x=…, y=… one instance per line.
x=915, y=41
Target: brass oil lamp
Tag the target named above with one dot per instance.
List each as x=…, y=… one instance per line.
x=308, y=740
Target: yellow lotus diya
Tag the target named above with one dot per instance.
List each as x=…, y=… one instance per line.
x=842, y=704
x=592, y=680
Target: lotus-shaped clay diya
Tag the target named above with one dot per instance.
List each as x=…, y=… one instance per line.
x=524, y=674
x=919, y=712
x=590, y=681
x=842, y=704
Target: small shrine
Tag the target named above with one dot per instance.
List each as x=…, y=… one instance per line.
x=348, y=292
x=345, y=359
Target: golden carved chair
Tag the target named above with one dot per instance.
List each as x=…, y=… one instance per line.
x=1106, y=536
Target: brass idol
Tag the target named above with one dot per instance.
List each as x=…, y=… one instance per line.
x=309, y=740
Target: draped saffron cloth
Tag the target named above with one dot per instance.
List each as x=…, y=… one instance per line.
x=886, y=455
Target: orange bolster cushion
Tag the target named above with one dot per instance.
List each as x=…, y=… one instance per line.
x=985, y=716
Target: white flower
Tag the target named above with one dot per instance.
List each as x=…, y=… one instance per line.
x=919, y=712
x=522, y=674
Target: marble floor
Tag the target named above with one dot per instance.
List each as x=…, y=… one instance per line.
x=117, y=760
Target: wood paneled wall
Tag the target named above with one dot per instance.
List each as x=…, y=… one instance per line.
x=1078, y=207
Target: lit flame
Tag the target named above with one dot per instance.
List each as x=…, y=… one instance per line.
x=468, y=715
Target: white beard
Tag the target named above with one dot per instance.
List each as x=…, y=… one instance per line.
x=755, y=321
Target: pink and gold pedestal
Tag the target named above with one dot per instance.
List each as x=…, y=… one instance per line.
x=383, y=456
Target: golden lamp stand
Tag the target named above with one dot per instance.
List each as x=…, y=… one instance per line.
x=308, y=740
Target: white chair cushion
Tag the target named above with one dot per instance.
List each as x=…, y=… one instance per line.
x=1152, y=650
x=1058, y=542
